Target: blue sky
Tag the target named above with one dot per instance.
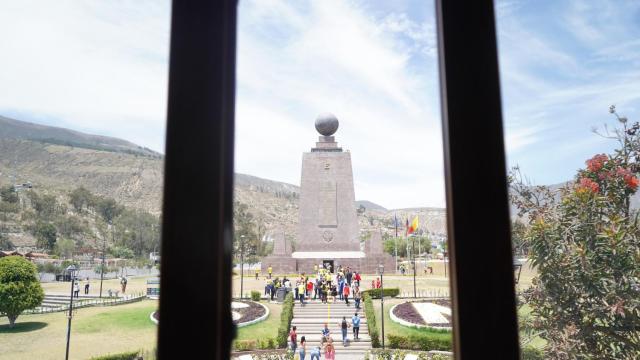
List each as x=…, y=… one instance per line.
x=101, y=67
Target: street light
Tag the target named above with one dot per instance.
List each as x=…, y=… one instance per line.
x=241, y=263
x=381, y=270
x=104, y=251
x=71, y=269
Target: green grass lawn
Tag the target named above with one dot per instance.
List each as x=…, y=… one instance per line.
x=264, y=329
x=94, y=331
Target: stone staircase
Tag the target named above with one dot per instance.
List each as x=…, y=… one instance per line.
x=310, y=318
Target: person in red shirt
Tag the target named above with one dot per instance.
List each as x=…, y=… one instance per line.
x=309, y=288
x=378, y=283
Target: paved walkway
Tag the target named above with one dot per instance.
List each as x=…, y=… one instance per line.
x=311, y=317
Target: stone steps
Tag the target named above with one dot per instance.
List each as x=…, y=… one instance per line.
x=310, y=318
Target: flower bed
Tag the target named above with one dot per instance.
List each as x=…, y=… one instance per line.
x=432, y=314
x=249, y=312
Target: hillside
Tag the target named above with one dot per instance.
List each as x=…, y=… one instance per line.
x=56, y=161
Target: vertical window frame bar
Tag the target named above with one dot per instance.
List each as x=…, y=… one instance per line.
x=479, y=234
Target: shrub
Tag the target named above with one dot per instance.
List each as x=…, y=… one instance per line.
x=369, y=311
x=255, y=295
x=388, y=292
x=131, y=355
x=285, y=320
x=426, y=342
x=244, y=345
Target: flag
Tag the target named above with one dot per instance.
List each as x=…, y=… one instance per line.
x=414, y=225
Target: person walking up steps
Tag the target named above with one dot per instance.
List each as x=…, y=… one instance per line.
x=356, y=297
x=315, y=353
x=346, y=292
x=344, y=325
x=355, y=322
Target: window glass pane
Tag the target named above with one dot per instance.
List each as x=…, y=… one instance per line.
x=339, y=165
x=570, y=90
x=82, y=122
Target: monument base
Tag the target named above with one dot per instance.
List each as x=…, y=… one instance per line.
x=365, y=265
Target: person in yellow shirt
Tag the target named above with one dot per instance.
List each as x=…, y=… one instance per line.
x=301, y=287
x=270, y=271
x=257, y=273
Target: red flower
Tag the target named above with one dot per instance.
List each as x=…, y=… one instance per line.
x=632, y=182
x=597, y=162
x=587, y=184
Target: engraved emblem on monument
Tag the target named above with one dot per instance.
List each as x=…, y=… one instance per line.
x=327, y=236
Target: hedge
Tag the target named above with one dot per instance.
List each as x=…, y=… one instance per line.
x=131, y=355
x=425, y=342
x=255, y=295
x=388, y=292
x=370, y=312
x=285, y=321
x=258, y=344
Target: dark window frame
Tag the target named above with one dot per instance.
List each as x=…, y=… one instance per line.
x=197, y=210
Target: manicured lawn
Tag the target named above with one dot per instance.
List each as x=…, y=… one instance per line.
x=264, y=329
x=94, y=331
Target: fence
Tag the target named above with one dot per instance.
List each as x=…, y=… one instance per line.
x=426, y=293
x=88, y=303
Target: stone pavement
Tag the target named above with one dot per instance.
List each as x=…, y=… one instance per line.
x=311, y=317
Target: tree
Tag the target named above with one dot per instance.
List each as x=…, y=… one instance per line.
x=65, y=248
x=244, y=225
x=46, y=206
x=108, y=209
x=46, y=235
x=584, y=243
x=9, y=194
x=5, y=243
x=19, y=287
x=81, y=198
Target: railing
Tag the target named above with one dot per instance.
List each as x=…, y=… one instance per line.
x=426, y=293
x=78, y=304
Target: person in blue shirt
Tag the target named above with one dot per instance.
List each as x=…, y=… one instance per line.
x=355, y=322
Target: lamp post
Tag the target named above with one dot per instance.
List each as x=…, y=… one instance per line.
x=381, y=270
x=71, y=269
x=241, y=263
x=104, y=250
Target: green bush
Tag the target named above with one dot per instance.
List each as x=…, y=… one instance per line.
x=285, y=321
x=532, y=353
x=388, y=292
x=369, y=311
x=426, y=342
x=131, y=355
x=244, y=345
x=255, y=295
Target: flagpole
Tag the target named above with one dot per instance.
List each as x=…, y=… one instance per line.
x=395, y=241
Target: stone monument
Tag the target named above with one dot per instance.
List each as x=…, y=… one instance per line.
x=328, y=231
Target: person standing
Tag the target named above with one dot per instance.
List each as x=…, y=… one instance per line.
x=346, y=291
x=309, y=288
x=326, y=334
x=355, y=322
x=377, y=283
x=86, y=287
x=340, y=286
x=303, y=347
x=357, y=278
x=123, y=283
x=270, y=271
x=344, y=325
x=293, y=336
x=349, y=275
x=257, y=273
x=301, y=292
x=76, y=288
